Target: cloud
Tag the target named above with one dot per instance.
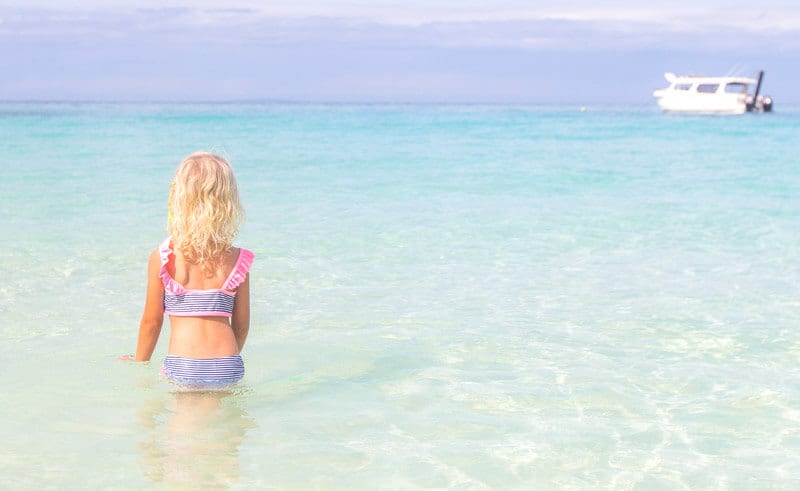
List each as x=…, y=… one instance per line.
x=364, y=53
x=701, y=28
x=508, y=24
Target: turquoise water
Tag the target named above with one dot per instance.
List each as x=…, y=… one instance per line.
x=444, y=297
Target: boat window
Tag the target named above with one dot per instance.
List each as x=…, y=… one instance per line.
x=683, y=86
x=707, y=88
x=736, y=88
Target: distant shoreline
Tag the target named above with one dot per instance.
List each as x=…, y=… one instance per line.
x=642, y=107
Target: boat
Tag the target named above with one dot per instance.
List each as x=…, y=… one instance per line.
x=712, y=95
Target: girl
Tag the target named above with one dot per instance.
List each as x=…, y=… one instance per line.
x=199, y=279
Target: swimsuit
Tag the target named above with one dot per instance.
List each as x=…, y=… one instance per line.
x=216, y=302
x=203, y=372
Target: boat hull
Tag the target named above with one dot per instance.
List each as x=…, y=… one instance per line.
x=701, y=103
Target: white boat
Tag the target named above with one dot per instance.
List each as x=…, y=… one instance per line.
x=723, y=95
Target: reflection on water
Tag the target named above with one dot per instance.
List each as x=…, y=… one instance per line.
x=192, y=439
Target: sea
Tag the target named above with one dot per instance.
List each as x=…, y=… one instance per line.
x=465, y=297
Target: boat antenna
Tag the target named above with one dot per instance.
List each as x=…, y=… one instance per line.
x=758, y=85
x=753, y=104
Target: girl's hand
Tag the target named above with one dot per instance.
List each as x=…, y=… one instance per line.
x=128, y=358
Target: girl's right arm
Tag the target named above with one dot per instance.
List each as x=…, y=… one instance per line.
x=153, y=315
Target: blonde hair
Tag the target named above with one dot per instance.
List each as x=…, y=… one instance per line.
x=204, y=209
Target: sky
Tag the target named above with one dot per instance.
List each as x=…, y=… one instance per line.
x=503, y=51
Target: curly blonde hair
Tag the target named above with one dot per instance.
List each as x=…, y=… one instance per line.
x=204, y=208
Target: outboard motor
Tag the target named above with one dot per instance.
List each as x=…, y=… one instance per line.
x=766, y=104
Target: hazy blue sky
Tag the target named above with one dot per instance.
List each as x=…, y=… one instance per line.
x=572, y=52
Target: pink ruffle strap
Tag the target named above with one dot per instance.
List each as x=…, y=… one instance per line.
x=240, y=270
x=170, y=285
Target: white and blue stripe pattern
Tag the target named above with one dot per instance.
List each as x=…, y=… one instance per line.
x=200, y=302
x=204, y=371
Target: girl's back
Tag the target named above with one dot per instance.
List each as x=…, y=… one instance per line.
x=195, y=277
x=202, y=336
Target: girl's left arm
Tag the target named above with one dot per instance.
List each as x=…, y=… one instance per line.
x=153, y=315
x=240, y=321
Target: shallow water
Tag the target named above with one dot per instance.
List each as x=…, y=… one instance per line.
x=452, y=297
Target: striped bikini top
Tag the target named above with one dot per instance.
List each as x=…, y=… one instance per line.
x=218, y=302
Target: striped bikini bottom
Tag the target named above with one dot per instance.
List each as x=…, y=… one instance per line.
x=204, y=372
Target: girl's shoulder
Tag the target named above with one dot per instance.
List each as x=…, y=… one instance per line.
x=243, y=261
x=163, y=258
x=239, y=255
